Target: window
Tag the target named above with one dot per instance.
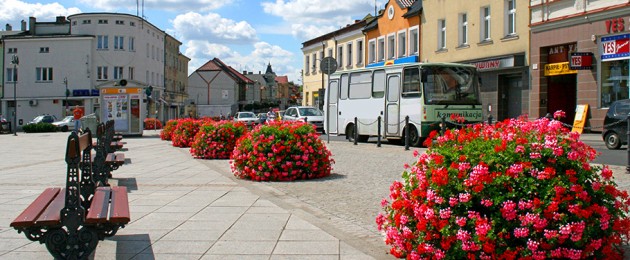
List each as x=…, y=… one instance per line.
x=321, y=56
x=132, y=44
x=411, y=82
x=152, y=52
x=119, y=42
x=101, y=73
x=130, y=75
x=402, y=44
x=148, y=50
x=359, y=52
x=381, y=48
x=118, y=72
x=360, y=85
x=340, y=56
x=463, y=29
x=314, y=67
x=413, y=40
x=485, y=23
x=43, y=74
x=120, y=22
x=12, y=74
x=102, y=21
x=349, y=55
x=44, y=50
x=86, y=22
x=441, y=34
x=343, y=94
x=307, y=64
x=378, y=84
x=102, y=42
x=74, y=23
x=12, y=50
x=614, y=81
x=132, y=23
x=330, y=52
x=391, y=46
x=510, y=17
x=372, y=51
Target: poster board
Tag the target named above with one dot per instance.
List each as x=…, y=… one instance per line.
x=580, y=118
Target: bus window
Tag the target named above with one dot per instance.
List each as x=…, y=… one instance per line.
x=333, y=89
x=344, y=87
x=411, y=82
x=360, y=85
x=450, y=85
x=378, y=84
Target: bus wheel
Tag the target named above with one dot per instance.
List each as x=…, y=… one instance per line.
x=350, y=133
x=414, y=138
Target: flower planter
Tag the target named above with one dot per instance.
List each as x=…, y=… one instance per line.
x=169, y=128
x=216, y=140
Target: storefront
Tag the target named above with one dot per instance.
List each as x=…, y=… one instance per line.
x=125, y=106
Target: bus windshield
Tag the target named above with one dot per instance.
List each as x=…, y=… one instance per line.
x=450, y=85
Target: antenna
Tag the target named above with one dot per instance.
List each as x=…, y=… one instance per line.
x=137, y=8
x=375, y=14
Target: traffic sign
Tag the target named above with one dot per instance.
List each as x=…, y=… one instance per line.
x=328, y=65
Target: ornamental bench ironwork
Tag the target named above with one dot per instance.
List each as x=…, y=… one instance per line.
x=105, y=161
x=70, y=221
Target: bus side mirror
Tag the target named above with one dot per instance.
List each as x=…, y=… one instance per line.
x=424, y=73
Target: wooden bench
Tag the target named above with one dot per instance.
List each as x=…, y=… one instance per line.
x=114, y=139
x=71, y=220
x=104, y=162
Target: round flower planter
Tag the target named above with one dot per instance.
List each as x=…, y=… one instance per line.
x=216, y=140
x=281, y=151
x=185, y=132
x=516, y=189
x=169, y=128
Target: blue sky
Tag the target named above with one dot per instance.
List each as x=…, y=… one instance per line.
x=245, y=34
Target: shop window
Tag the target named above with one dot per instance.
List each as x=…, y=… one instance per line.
x=614, y=81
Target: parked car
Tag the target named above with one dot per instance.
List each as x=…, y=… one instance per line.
x=301, y=113
x=43, y=119
x=67, y=123
x=248, y=118
x=615, y=125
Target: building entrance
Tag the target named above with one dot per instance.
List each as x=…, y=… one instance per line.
x=510, y=93
x=562, y=95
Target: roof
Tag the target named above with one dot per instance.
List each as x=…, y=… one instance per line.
x=414, y=9
x=217, y=65
x=405, y=3
x=209, y=66
x=282, y=79
x=357, y=25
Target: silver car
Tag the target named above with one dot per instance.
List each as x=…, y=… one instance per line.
x=248, y=118
x=67, y=123
x=301, y=113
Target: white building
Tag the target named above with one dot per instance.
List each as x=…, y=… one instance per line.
x=84, y=53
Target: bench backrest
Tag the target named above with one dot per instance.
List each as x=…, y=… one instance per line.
x=79, y=184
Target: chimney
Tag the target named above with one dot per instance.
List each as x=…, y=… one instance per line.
x=23, y=26
x=9, y=28
x=259, y=72
x=60, y=19
x=251, y=73
x=31, y=25
x=244, y=72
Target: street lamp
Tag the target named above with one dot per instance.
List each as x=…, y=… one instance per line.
x=65, y=82
x=15, y=61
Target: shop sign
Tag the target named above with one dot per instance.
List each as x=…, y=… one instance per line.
x=560, y=68
x=121, y=90
x=581, y=61
x=615, y=47
x=615, y=25
x=506, y=62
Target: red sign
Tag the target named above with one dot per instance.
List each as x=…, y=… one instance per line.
x=615, y=47
x=615, y=25
x=581, y=61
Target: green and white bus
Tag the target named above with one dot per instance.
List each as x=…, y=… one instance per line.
x=423, y=91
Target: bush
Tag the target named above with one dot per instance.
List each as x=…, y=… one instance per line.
x=152, y=124
x=281, y=151
x=185, y=132
x=39, y=128
x=169, y=128
x=216, y=140
x=516, y=189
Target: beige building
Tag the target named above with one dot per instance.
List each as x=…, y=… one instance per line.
x=346, y=45
x=175, y=79
x=491, y=34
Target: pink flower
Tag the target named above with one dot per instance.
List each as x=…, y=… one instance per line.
x=521, y=232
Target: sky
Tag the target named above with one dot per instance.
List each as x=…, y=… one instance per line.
x=245, y=34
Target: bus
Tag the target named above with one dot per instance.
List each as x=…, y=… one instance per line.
x=423, y=91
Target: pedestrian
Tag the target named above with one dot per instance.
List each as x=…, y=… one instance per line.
x=78, y=114
x=270, y=116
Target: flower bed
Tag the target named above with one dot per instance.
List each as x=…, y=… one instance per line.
x=516, y=189
x=169, y=128
x=185, y=132
x=216, y=140
x=152, y=124
x=281, y=151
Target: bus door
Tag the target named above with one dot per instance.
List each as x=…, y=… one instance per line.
x=332, y=114
x=392, y=105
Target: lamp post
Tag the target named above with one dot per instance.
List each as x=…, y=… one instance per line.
x=15, y=61
x=65, y=82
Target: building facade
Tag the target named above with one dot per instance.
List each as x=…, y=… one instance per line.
x=175, y=79
x=579, y=55
x=493, y=35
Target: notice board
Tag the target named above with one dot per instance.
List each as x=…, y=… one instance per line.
x=580, y=118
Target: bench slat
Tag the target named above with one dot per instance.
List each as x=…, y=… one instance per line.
x=99, y=207
x=52, y=215
x=34, y=210
x=119, y=212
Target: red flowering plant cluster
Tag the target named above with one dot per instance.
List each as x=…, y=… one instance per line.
x=152, y=124
x=169, y=128
x=516, y=189
x=216, y=140
x=281, y=151
x=185, y=132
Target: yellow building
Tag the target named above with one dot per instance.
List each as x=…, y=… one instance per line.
x=346, y=45
x=491, y=34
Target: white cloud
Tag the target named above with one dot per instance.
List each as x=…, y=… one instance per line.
x=303, y=31
x=213, y=28
x=13, y=11
x=168, y=5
